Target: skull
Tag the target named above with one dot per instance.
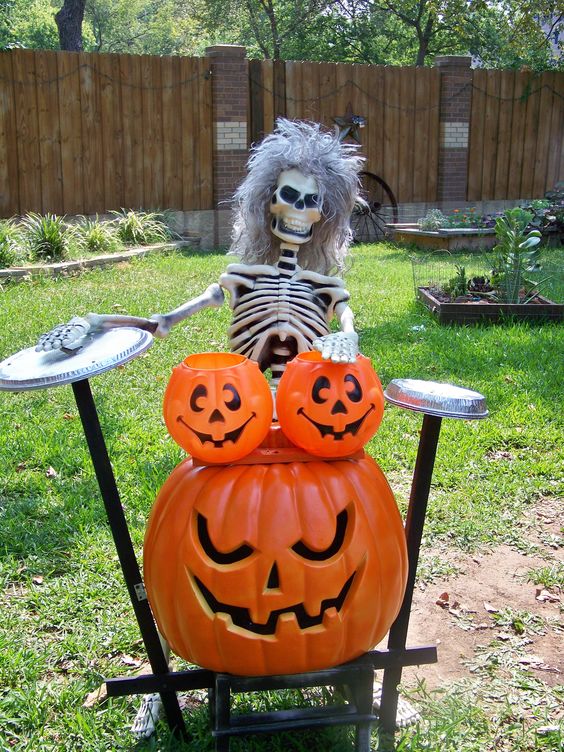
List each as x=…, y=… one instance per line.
x=294, y=207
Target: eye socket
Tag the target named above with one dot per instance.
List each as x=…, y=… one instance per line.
x=199, y=393
x=311, y=200
x=220, y=557
x=306, y=552
x=289, y=194
x=235, y=402
x=355, y=394
x=321, y=382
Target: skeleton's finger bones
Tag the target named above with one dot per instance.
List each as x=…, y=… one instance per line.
x=63, y=335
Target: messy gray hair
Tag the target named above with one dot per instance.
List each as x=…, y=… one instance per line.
x=315, y=152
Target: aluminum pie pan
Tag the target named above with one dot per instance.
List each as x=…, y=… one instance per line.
x=435, y=398
x=102, y=351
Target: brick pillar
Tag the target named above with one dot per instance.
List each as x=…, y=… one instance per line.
x=230, y=87
x=455, y=107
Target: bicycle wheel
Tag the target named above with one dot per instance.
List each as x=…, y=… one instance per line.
x=379, y=206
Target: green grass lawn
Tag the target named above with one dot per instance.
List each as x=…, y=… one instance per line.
x=67, y=622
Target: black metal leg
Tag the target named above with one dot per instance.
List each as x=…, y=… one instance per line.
x=124, y=547
x=415, y=521
x=363, y=690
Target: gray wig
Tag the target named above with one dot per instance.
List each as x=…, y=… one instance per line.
x=317, y=153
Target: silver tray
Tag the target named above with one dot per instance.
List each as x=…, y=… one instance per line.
x=101, y=352
x=434, y=398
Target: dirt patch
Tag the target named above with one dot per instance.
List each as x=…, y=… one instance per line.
x=489, y=605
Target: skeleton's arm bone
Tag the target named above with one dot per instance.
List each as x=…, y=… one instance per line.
x=340, y=347
x=212, y=297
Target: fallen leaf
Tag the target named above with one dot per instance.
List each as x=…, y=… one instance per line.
x=69, y=416
x=128, y=660
x=20, y=467
x=490, y=609
x=37, y=579
x=95, y=697
x=51, y=472
x=545, y=596
x=503, y=636
x=443, y=600
x=545, y=730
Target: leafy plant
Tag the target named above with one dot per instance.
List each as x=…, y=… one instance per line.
x=516, y=253
x=47, y=236
x=10, y=243
x=457, y=285
x=98, y=237
x=141, y=228
x=433, y=220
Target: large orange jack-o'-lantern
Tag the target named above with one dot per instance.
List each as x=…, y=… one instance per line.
x=275, y=568
x=329, y=409
x=217, y=406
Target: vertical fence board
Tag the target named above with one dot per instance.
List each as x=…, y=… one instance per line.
x=531, y=141
x=268, y=97
x=204, y=116
x=9, y=171
x=112, y=133
x=517, y=135
x=406, y=134
x=556, y=145
x=291, y=89
x=29, y=162
x=546, y=105
x=391, y=129
x=189, y=188
x=503, y=147
x=374, y=84
x=132, y=117
x=49, y=132
x=326, y=91
x=258, y=98
x=310, y=91
x=279, y=88
x=71, y=132
x=92, y=138
x=491, y=118
x=172, y=137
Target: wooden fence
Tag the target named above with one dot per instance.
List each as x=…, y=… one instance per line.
x=84, y=133
x=401, y=107
x=516, y=134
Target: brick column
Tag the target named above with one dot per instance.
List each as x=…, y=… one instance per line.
x=230, y=92
x=455, y=107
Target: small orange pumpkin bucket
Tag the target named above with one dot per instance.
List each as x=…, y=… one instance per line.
x=217, y=406
x=329, y=409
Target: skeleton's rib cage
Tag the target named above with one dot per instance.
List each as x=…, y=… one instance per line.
x=279, y=310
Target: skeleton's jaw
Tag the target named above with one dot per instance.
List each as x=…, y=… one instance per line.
x=291, y=230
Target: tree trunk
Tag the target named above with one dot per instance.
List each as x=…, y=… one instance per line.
x=69, y=22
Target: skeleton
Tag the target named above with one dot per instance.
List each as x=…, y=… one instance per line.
x=299, y=179
x=291, y=228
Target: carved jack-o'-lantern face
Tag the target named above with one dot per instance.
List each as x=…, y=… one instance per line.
x=275, y=568
x=329, y=409
x=217, y=406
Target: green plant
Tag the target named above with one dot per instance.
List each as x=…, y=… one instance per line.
x=141, y=228
x=433, y=220
x=457, y=285
x=47, y=236
x=98, y=237
x=515, y=254
x=10, y=243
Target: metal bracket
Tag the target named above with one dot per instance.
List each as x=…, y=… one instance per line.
x=140, y=592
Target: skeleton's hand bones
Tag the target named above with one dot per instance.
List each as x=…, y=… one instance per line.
x=340, y=347
x=64, y=336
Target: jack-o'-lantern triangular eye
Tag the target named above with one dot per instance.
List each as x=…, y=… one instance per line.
x=303, y=550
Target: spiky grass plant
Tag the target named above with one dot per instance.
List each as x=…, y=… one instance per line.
x=97, y=237
x=47, y=237
x=10, y=243
x=141, y=228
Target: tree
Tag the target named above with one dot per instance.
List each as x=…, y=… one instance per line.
x=69, y=22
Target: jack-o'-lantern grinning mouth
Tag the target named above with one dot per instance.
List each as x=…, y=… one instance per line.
x=326, y=430
x=241, y=617
x=232, y=436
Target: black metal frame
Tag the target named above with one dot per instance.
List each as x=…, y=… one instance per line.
x=357, y=676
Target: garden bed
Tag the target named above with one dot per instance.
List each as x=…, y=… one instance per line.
x=447, y=239
x=474, y=312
